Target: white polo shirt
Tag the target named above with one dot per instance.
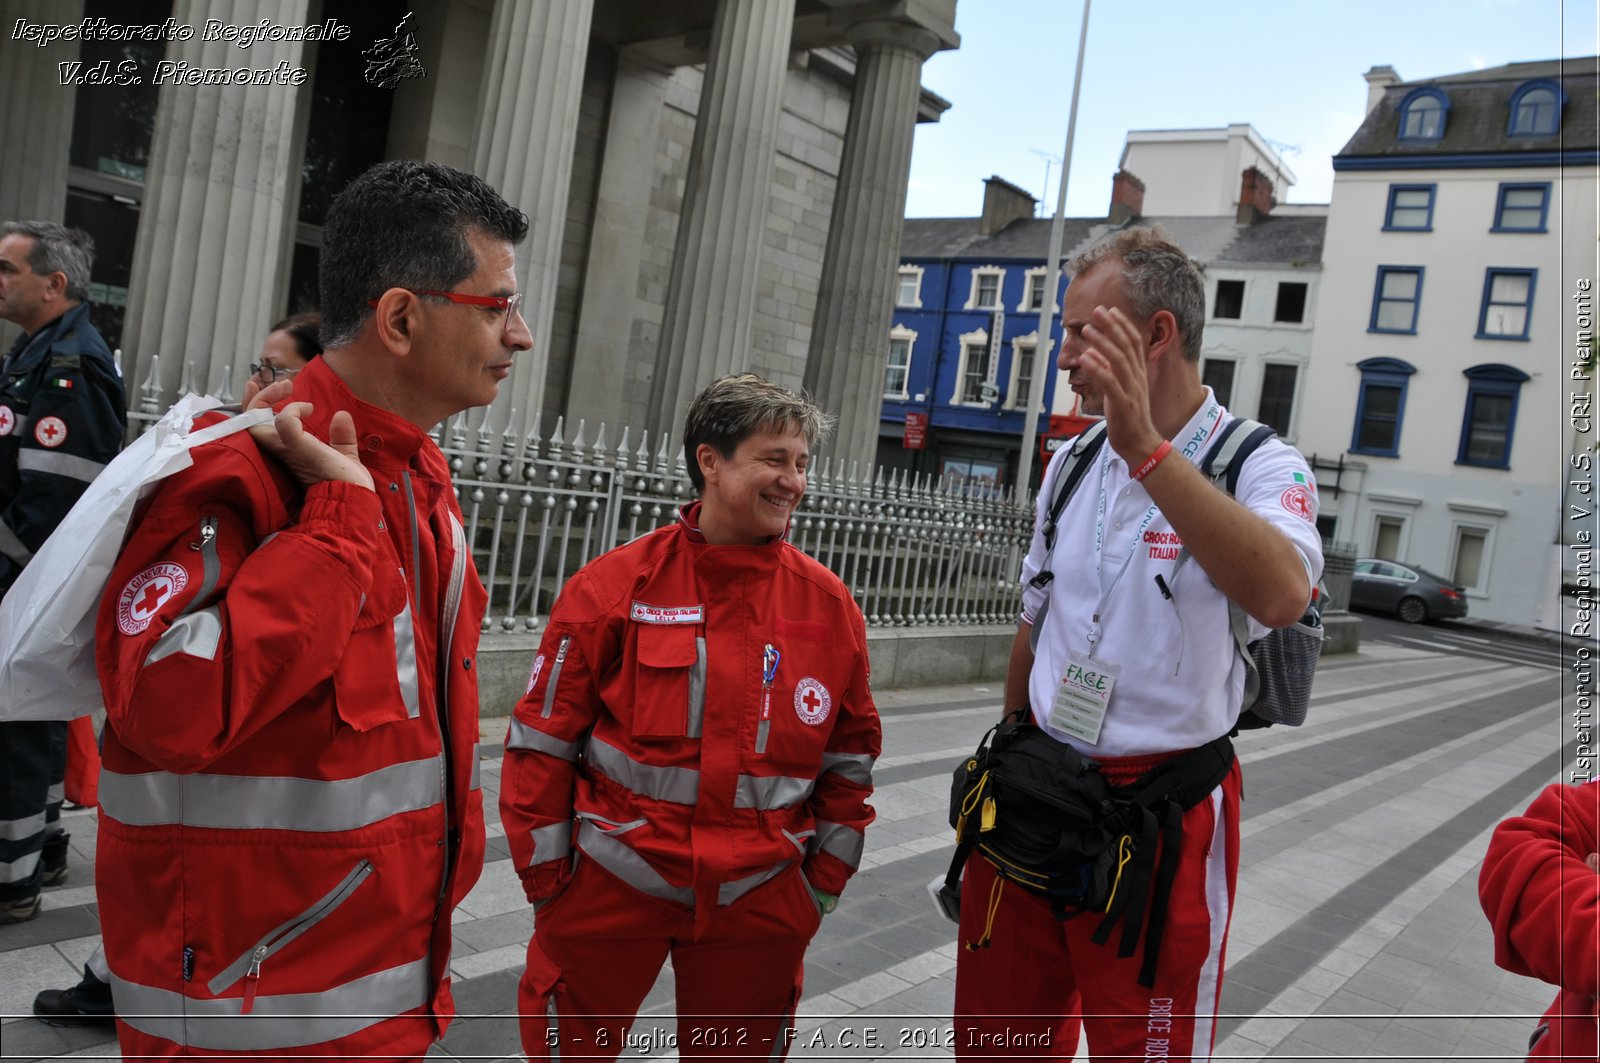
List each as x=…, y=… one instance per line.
x=1181, y=679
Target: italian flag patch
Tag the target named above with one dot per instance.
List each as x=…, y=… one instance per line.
x=62, y=382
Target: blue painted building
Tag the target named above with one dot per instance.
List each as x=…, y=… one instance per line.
x=965, y=326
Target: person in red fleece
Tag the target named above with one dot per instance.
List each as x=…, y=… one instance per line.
x=688, y=773
x=1541, y=891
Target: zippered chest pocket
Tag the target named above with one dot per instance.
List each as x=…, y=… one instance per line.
x=669, y=680
x=249, y=965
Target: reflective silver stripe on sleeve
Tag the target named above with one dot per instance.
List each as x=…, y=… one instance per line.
x=697, y=689
x=14, y=830
x=405, y=660
x=771, y=791
x=521, y=736
x=196, y=634
x=53, y=461
x=19, y=869
x=678, y=785
x=12, y=546
x=616, y=857
x=552, y=843
x=278, y=1021
x=841, y=841
x=852, y=767
x=239, y=802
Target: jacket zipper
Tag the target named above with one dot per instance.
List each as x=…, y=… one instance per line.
x=248, y=966
x=555, y=677
x=210, y=567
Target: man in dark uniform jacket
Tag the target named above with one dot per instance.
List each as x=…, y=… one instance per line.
x=62, y=417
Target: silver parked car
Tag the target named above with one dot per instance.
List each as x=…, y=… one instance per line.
x=1415, y=594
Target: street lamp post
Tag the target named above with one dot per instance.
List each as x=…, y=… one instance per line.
x=1042, y=352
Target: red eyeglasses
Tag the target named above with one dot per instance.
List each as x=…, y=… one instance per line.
x=507, y=303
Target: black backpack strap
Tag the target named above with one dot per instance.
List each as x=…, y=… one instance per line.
x=1070, y=472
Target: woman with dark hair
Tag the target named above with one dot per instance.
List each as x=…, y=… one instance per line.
x=289, y=348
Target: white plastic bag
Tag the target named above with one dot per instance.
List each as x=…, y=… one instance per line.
x=47, y=618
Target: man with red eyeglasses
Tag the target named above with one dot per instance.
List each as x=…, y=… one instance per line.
x=289, y=808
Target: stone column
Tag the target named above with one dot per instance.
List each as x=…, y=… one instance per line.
x=36, y=113
x=215, y=226
x=616, y=246
x=712, y=294
x=527, y=127
x=850, y=335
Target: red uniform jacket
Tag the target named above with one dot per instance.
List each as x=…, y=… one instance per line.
x=1544, y=903
x=289, y=808
x=651, y=721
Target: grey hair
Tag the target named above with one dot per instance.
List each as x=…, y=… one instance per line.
x=738, y=406
x=57, y=249
x=1156, y=275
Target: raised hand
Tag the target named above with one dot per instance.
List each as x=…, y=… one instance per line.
x=1114, y=363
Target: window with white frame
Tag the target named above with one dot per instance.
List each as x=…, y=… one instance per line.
x=1469, y=565
x=1217, y=374
x=1276, y=407
x=974, y=368
x=1020, y=392
x=908, y=292
x=1032, y=290
x=1388, y=536
x=985, y=293
x=897, y=373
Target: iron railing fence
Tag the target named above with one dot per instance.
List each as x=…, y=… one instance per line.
x=913, y=550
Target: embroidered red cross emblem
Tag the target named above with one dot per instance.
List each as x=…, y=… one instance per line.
x=812, y=701
x=151, y=597
x=49, y=431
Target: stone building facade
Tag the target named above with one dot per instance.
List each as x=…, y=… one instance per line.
x=713, y=185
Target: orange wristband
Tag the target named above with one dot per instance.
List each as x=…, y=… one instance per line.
x=1153, y=460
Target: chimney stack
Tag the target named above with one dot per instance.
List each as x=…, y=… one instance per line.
x=1127, y=198
x=1003, y=203
x=1379, y=78
x=1255, y=197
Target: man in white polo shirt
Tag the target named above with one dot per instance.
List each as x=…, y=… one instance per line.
x=1168, y=679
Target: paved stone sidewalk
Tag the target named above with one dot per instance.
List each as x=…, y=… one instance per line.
x=1357, y=932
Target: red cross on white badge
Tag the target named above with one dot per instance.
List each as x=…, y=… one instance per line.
x=144, y=595
x=8, y=420
x=50, y=431
x=812, y=702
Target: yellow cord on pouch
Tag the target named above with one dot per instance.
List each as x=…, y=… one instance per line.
x=988, y=922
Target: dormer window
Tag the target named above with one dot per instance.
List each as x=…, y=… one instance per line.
x=1422, y=115
x=1536, y=109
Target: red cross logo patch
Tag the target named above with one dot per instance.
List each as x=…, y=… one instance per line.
x=812, y=702
x=8, y=420
x=146, y=593
x=50, y=431
x=1297, y=500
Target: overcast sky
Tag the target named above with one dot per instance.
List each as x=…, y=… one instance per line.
x=1291, y=68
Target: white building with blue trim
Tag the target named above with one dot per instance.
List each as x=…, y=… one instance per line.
x=1462, y=219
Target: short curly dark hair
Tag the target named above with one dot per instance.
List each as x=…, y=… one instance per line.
x=404, y=224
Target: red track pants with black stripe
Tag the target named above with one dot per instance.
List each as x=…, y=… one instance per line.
x=1025, y=994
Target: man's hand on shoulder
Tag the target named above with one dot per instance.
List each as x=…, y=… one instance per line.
x=303, y=454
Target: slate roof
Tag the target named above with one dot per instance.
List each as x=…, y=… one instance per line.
x=1288, y=240
x=1480, y=113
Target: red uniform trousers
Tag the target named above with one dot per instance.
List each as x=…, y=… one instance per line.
x=599, y=944
x=1024, y=994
